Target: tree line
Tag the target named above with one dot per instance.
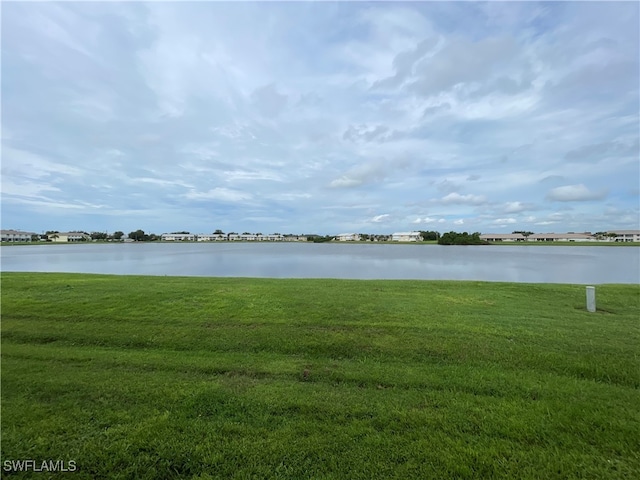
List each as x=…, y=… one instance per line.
x=464, y=238
x=141, y=236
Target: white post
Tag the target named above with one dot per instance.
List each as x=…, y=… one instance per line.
x=591, y=299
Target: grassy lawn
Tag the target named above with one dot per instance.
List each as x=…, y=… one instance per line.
x=169, y=377
x=569, y=244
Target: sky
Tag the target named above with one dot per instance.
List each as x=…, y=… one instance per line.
x=320, y=117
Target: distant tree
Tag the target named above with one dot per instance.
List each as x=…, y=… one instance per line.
x=455, y=238
x=35, y=238
x=319, y=239
x=138, y=235
x=49, y=232
x=98, y=236
x=180, y=233
x=523, y=233
x=54, y=236
x=429, y=235
x=218, y=232
x=118, y=235
x=246, y=233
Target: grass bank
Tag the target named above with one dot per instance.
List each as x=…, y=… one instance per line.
x=569, y=244
x=168, y=377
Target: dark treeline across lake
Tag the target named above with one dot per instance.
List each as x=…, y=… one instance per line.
x=549, y=264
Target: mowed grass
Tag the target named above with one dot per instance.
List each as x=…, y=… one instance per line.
x=169, y=377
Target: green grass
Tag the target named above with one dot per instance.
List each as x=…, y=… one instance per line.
x=169, y=377
x=569, y=244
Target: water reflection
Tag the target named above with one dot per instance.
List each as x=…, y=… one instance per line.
x=566, y=264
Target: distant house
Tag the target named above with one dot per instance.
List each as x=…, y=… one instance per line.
x=626, y=235
x=69, y=237
x=16, y=236
x=178, y=237
x=295, y=238
x=272, y=238
x=406, y=237
x=503, y=237
x=562, y=237
x=348, y=237
x=214, y=237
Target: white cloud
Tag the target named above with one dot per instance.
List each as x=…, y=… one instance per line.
x=25, y=164
x=162, y=183
x=221, y=194
x=252, y=175
x=380, y=218
x=516, y=207
x=370, y=172
x=504, y=221
x=575, y=193
x=455, y=198
x=26, y=188
x=428, y=220
x=345, y=182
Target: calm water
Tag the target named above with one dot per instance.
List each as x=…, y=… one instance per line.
x=579, y=265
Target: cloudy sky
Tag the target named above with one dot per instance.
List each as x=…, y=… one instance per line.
x=320, y=117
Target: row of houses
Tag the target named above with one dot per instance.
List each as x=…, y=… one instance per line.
x=232, y=237
x=70, y=237
x=395, y=237
x=16, y=236
x=610, y=236
x=61, y=237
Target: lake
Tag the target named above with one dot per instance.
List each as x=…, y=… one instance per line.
x=534, y=264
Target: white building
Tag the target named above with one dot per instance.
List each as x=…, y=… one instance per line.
x=562, y=237
x=503, y=237
x=16, y=236
x=213, y=237
x=348, y=237
x=406, y=237
x=69, y=237
x=178, y=237
x=626, y=235
x=248, y=237
x=272, y=238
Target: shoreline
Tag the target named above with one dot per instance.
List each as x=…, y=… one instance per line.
x=495, y=244
x=324, y=280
